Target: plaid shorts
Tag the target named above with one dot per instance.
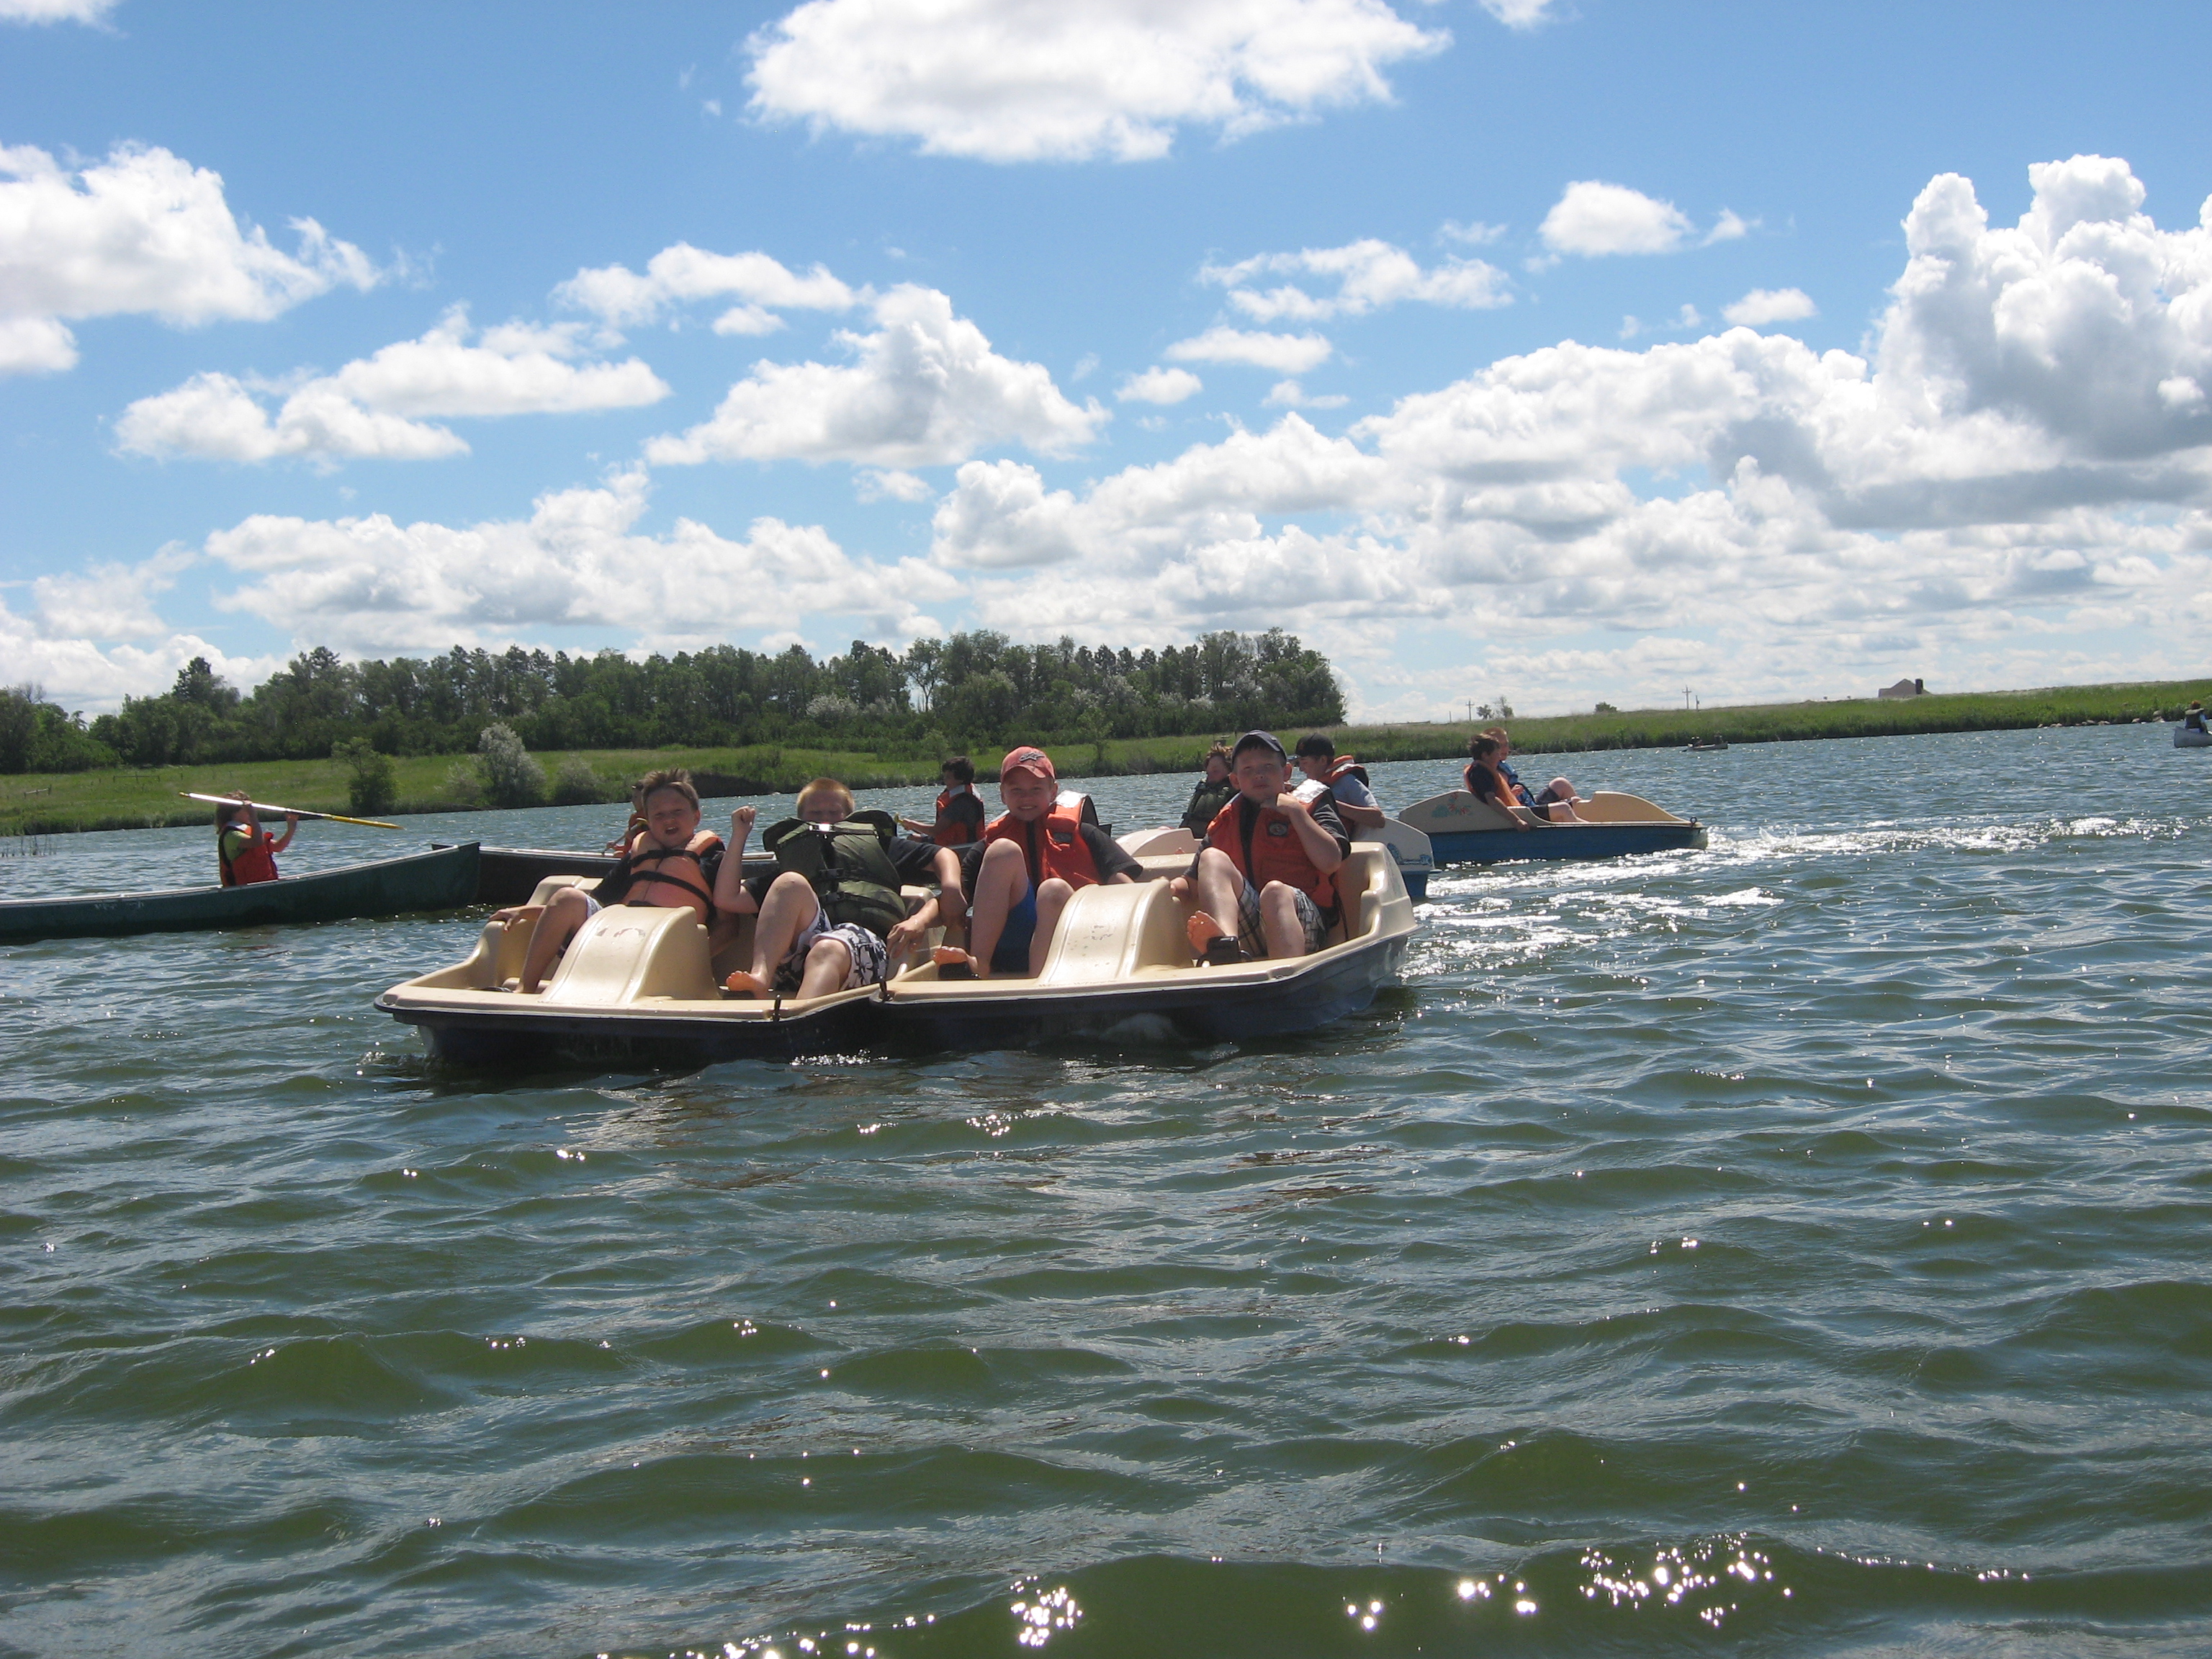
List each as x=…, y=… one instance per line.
x=1252, y=938
x=872, y=957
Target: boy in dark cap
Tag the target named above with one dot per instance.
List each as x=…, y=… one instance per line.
x=1268, y=864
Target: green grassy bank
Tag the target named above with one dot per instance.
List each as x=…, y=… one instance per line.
x=135, y=799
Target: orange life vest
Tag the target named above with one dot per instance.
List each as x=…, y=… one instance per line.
x=1278, y=855
x=643, y=865
x=1059, y=846
x=255, y=863
x=1346, y=766
x=948, y=832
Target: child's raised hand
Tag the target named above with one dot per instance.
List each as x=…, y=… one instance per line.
x=741, y=821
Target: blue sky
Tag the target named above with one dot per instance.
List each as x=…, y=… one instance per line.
x=1568, y=351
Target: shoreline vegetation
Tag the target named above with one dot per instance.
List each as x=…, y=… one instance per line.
x=139, y=798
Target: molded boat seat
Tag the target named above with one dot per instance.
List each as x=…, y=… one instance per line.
x=1356, y=896
x=1177, y=843
x=1113, y=931
x=629, y=954
x=1612, y=806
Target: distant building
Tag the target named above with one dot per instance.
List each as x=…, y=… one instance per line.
x=1904, y=689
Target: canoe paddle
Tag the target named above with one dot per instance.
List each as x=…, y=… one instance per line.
x=334, y=817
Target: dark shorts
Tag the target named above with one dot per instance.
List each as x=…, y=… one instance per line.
x=1012, y=954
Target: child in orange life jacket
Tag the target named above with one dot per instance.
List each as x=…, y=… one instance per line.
x=1029, y=864
x=799, y=951
x=666, y=867
x=959, y=821
x=1354, y=801
x=244, y=852
x=1268, y=863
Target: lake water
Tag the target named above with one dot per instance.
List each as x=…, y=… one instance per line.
x=1798, y=1247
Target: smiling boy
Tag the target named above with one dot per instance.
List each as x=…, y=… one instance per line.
x=1031, y=862
x=831, y=917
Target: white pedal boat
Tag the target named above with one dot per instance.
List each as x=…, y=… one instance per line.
x=636, y=981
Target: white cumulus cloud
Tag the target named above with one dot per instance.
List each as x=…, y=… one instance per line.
x=1763, y=306
x=1043, y=80
x=925, y=389
x=371, y=408
x=1285, y=354
x=2025, y=457
x=1519, y=13
x=872, y=483
x=1160, y=385
x=681, y=274
x=371, y=584
x=1368, y=275
x=56, y=11
x=1592, y=217
x=144, y=232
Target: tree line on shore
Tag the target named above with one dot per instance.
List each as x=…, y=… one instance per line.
x=973, y=691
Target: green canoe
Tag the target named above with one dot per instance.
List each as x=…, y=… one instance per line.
x=443, y=880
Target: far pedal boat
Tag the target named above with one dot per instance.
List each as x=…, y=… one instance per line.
x=2183, y=737
x=1464, y=830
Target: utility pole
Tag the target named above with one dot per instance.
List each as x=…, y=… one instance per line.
x=1685, y=699
x=1470, y=711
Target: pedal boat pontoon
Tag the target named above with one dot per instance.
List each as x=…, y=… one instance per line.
x=636, y=981
x=1464, y=830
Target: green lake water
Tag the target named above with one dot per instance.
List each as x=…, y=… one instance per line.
x=1798, y=1247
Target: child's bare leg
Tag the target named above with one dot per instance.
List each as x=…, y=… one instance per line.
x=1000, y=885
x=828, y=964
x=1219, y=886
x=1052, y=896
x=564, y=914
x=1278, y=921
x=784, y=914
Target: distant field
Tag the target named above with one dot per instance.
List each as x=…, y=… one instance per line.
x=135, y=799
x=1793, y=722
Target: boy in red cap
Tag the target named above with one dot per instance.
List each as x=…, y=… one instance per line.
x=1028, y=865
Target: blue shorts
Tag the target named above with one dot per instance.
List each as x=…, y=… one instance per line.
x=1011, y=954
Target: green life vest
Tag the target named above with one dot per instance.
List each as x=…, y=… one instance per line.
x=848, y=865
x=1206, y=804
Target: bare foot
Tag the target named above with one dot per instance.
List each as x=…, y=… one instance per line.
x=743, y=984
x=953, y=963
x=1210, y=941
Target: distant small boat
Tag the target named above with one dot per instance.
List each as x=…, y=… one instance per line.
x=1705, y=745
x=444, y=878
x=2185, y=739
x=509, y=875
x=1464, y=830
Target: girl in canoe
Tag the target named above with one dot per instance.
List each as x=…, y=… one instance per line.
x=244, y=851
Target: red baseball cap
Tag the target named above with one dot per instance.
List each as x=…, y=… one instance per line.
x=1027, y=759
